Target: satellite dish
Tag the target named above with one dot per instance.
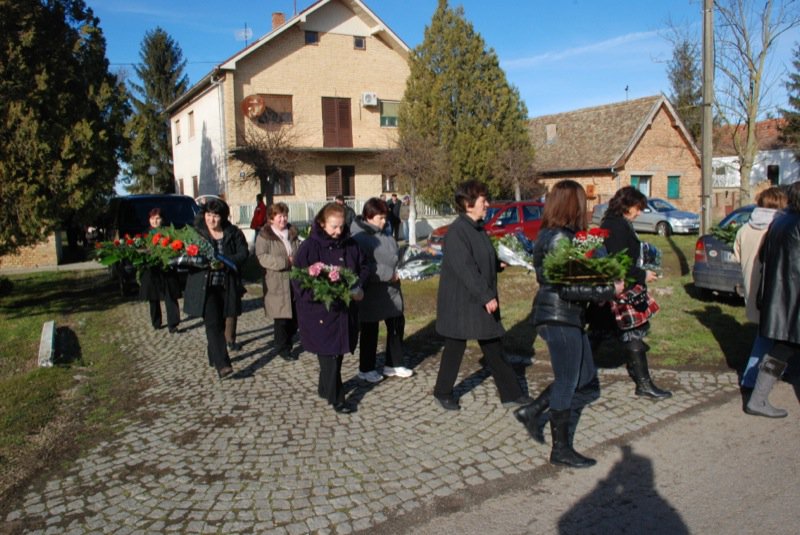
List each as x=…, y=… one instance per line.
x=243, y=35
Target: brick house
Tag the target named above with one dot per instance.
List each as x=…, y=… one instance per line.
x=333, y=75
x=640, y=142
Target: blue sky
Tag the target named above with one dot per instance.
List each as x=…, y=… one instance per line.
x=560, y=54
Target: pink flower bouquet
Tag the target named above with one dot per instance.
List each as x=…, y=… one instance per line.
x=327, y=283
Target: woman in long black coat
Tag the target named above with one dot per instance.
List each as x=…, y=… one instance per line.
x=467, y=304
x=156, y=285
x=216, y=293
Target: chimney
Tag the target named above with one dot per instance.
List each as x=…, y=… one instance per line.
x=278, y=19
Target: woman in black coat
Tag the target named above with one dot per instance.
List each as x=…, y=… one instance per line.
x=157, y=284
x=623, y=208
x=216, y=293
x=559, y=317
x=467, y=304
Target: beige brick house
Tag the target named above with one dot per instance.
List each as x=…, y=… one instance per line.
x=332, y=75
x=640, y=142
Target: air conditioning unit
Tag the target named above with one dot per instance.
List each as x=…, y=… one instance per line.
x=369, y=99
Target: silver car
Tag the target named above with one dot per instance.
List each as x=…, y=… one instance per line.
x=659, y=217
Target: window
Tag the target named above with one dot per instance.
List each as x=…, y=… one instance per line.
x=273, y=110
x=389, y=112
x=673, y=187
x=359, y=43
x=642, y=183
x=191, y=124
x=531, y=213
x=509, y=216
x=774, y=174
x=180, y=186
x=388, y=183
x=312, y=38
x=177, y=131
x=340, y=180
x=337, y=127
x=284, y=184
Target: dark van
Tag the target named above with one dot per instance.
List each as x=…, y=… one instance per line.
x=130, y=215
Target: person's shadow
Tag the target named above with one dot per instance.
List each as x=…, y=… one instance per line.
x=624, y=502
x=734, y=339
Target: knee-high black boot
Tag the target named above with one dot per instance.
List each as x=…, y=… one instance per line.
x=563, y=454
x=640, y=373
x=529, y=414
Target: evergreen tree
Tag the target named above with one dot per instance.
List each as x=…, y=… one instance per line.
x=161, y=81
x=62, y=114
x=458, y=99
x=790, y=132
x=685, y=77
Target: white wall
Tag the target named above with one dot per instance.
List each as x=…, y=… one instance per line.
x=783, y=158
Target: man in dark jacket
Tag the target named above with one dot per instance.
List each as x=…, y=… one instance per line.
x=779, y=299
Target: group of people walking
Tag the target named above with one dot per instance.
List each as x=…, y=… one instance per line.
x=572, y=319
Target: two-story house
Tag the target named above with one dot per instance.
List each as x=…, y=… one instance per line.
x=332, y=76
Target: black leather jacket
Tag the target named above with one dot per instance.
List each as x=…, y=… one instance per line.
x=558, y=303
x=779, y=292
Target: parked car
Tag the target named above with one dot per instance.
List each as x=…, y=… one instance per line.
x=660, y=217
x=505, y=217
x=129, y=214
x=715, y=268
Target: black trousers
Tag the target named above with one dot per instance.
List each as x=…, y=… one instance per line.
x=330, y=378
x=173, y=312
x=230, y=329
x=369, y=343
x=504, y=377
x=284, y=329
x=215, y=327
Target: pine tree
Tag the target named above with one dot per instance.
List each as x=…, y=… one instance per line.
x=686, y=80
x=63, y=116
x=457, y=98
x=161, y=81
x=790, y=132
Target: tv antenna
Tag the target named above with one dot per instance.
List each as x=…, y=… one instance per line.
x=244, y=35
x=626, y=93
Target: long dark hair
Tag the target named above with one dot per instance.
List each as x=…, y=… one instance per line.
x=565, y=206
x=625, y=199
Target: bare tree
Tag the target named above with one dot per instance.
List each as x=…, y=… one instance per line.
x=746, y=34
x=268, y=152
x=515, y=171
x=420, y=166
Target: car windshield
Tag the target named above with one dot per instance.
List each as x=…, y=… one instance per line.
x=660, y=205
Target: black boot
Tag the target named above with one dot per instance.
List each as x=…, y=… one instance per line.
x=562, y=453
x=529, y=415
x=639, y=372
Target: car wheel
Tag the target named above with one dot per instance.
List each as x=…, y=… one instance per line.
x=663, y=229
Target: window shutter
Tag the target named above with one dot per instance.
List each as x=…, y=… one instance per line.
x=337, y=128
x=333, y=181
x=345, y=123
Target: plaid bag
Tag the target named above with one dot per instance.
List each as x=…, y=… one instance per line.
x=633, y=307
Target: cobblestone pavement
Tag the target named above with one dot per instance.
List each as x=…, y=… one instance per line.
x=261, y=453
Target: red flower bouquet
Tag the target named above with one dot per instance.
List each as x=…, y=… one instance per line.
x=327, y=283
x=164, y=247
x=584, y=260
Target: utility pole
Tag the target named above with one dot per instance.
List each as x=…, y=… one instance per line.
x=708, y=104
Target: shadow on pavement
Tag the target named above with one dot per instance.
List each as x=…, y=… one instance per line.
x=624, y=502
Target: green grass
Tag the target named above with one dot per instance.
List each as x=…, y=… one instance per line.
x=49, y=413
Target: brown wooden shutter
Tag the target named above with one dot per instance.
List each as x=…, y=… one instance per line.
x=333, y=181
x=345, y=123
x=329, y=129
x=337, y=125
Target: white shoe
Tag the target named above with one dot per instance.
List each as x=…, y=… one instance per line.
x=400, y=371
x=370, y=376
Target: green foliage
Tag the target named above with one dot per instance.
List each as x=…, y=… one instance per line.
x=158, y=248
x=726, y=234
x=62, y=114
x=790, y=132
x=457, y=98
x=161, y=82
x=685, y=77
x=327, y=283
x=572, y=262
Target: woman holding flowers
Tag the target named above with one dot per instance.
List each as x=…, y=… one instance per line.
x=559, y=316
x=327, y=319
x=276, y=247
x=215, y=293
x=157, y=284
x=625, y=206
x=383, y=298
x=467, y=306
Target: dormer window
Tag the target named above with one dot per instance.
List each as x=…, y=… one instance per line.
x=312, y=38
x=359, y=42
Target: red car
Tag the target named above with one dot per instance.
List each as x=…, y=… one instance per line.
x=503, y=217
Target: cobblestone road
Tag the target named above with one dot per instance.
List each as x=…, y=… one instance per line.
x=262, y=454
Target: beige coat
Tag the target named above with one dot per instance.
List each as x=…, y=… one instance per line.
x=272, y=256
x=745, y=249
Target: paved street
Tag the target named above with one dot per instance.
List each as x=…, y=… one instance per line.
x=262, y=454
